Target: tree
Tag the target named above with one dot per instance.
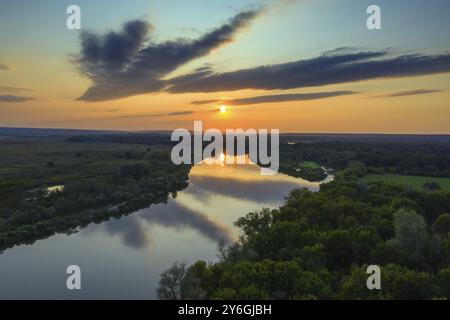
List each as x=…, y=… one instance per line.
x=442, y=224
x=354, y=286
x=338, y=246
x=410, y=232
x=50, y=164
x=180, y=282
x=387, y=252
x=252, y=292
x=225, y=294
x=170, y=283
x=254, y=223
x=443, y=280
x=364, y=242
x=137, y=170
x=402, y=283
x=312, y=258
x=396, y=283
x=431, y=186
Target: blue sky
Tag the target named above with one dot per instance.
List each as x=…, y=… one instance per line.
x=304, y=27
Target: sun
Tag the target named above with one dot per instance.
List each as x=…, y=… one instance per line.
x=223, y=109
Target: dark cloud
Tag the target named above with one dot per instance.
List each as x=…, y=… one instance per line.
x=131, y=230
x=198, y=73
x=175, y=215
x=332, y=67
x=277, y=98
x=4, y=67
x=407, y=93
x=134, y=233
x=156, y=115
x=179, y=113
x=341, y=50
x=127, y=63
x=12, y=99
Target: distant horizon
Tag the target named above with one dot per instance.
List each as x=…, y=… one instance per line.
x=169, y=131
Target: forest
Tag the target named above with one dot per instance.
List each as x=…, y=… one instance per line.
x=416, y=156
x=318, y=246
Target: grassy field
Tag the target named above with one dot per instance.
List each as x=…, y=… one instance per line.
x=25, y=162
x=308, y=170
x=309, y=165
x=101, y=179
x=412, y=181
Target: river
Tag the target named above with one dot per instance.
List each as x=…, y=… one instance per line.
x=123, y=258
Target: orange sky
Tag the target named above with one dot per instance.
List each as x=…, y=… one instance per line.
x=44, y=69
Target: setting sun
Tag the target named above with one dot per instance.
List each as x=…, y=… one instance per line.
x=223, y=109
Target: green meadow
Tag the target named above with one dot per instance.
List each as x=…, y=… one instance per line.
x=309, y=165
x=415, y=182
x=33, y=162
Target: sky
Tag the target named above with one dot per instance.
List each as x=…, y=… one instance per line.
x=293, y=65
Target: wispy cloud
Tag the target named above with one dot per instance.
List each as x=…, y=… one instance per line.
x=129, y=62
x=4, y=67
x=408, y=93
x=276, y=98
x=126, y=63
x=13, y=89
x=157, y=115
x=14, y=99
x=329, y=68
x=111, y=110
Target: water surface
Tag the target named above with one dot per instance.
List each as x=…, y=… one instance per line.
x=123, y=258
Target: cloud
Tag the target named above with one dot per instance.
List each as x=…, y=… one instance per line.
x=12, y=99
x=178, y=113
x=133, y=230
x=407, y=93
x=4, y=67
x=256, y=191
x=178, y=216
x=341, y=50
x=153, y=115
x=127, y=63
x=332, y=67
x=276, y=98
x=13, y=89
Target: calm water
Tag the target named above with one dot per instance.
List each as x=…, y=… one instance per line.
x=122, y=259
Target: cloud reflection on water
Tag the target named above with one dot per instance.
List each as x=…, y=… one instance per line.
x=208, y=205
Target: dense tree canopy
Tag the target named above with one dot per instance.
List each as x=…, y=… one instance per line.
x=318, y=246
